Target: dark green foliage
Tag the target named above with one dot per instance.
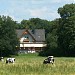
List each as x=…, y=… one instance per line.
x=66, y=30
x=8, y=38
x=52, y=47
x=51, y=40
x=34, y=23
x=63, y=30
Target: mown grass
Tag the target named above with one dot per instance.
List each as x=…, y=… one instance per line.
x=31, y=64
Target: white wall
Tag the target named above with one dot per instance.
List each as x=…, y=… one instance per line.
x=32, y=45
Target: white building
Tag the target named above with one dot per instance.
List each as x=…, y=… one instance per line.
x=31, y=40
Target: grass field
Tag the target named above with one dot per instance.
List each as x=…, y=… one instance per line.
x=31, y=64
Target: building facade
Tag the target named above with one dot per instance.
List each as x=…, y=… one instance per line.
x=31, y=40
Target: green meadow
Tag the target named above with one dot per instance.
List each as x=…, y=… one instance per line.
x=32, y=64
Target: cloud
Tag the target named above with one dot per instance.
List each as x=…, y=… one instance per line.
x=44, y=13
x=69, y=1
x=55, y=1
x=62, y=1
x=37, y=1
x=38, y=12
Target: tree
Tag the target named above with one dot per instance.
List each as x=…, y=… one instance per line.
x=51, y=40
x=66, y=30
x=8, y=37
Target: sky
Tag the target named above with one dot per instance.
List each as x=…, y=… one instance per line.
x=26, y=9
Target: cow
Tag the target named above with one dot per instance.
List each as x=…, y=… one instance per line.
x=10, y=60
x=1, y=59
x=49, y=59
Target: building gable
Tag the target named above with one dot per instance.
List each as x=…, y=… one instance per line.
x=26, y=37
x=37, y=34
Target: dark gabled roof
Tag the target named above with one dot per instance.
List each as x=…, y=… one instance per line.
x=19, y=32
x=37, y=34
x=32, y=34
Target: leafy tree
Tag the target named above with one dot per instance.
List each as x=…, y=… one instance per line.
x=35, y=23
x=51, y=40
x=66, y=30
x=8, y=37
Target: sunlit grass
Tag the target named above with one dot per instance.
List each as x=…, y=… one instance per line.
x=32, y=64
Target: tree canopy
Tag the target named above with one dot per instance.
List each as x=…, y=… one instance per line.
x=66, y=30
x=8, y=37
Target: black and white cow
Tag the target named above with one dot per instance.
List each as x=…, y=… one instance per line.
x=1, y=59
x=50, y=59
x=10, y=60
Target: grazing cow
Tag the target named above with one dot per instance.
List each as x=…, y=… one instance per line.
x=10, y=60
x=50, y=59
x=1, y=58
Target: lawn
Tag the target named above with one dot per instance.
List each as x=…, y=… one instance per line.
x=32, y=64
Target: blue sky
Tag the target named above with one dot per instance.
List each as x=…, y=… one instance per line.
x=26, y=9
